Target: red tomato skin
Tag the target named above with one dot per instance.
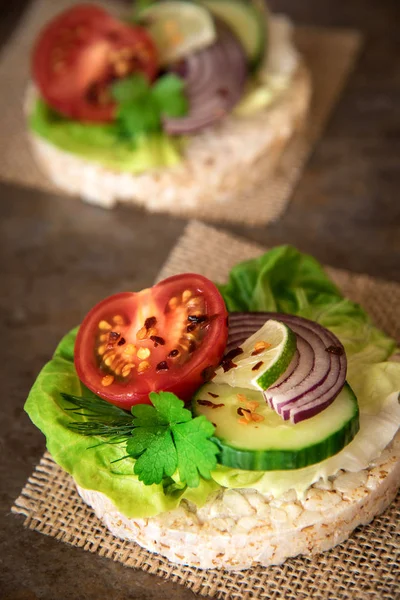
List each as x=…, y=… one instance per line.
x=64, y=68
x=183, y=381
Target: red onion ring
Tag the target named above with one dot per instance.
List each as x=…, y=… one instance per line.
x=314, y=379
x=214, y=83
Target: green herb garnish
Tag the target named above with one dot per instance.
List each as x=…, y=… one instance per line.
x=163, y=438
x=141, y=106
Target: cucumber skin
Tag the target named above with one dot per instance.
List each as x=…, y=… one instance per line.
x=284, y=460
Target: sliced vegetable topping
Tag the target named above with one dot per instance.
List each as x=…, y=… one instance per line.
x=178, y=29
x=170, y=337
x=80, y=53
x=215, y=78
x=250, y=435
x=316, y=375
x=261, y=359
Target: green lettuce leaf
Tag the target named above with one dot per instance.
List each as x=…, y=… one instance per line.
x=103, y=144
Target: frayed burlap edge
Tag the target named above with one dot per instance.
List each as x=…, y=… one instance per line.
x=329, y=54
x=365, y=567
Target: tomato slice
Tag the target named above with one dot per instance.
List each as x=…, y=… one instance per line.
x=166, y=338
x=80, y=53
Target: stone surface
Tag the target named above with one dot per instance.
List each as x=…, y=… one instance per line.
x=58, y=257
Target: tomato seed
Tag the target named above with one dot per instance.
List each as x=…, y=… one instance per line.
x=129, y=350
x=101, y=350
x=104, y=326
x=107, y=380
x=126, y=370
x=143, y=366
x=186, y=295
x=143, y=353
x=118, y=320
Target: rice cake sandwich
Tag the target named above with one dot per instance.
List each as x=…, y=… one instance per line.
x=227, y=426
x=188, y=104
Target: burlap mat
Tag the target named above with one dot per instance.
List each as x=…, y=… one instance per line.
x=364, y=567
x=329, y=53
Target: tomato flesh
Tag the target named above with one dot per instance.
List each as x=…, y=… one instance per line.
x=80, y=53
x=167, y=338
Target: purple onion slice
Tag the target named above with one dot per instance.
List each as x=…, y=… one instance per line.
x=312, y=381
x=214, y=82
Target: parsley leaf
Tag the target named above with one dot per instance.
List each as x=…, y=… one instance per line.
x=196, y=454
x=141, y=106
x=169, y=93
x=166, y=438
x=157, y=454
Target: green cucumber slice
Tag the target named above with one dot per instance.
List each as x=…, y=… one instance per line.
x=247, y=21
x=272, y=443
x=258, y=368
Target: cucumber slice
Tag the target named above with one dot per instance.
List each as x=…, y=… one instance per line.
x=247, y=21
x=178, y=28
x=257, y=367
x=269, y=443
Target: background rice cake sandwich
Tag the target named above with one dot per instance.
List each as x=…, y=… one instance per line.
x=227, y=426
x=183, y=104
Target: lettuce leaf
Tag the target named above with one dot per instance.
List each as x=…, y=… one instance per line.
x=104, y=144
x=282, y=280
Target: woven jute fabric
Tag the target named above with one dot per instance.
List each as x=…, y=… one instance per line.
x=366, y=566
x=329, y=54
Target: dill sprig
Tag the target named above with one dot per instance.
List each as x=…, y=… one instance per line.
x=102, y=418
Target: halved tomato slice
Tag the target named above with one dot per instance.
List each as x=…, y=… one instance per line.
x=166, y=338
x=80, y=53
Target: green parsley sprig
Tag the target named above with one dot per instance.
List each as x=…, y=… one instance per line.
x=163, y=438
x=141, y=106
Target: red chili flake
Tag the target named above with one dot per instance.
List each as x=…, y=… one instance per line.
x=215, y=425
x=173, y=353
x=258, y=365
x=209, y=403
x=227, y=364
x=162, y=366
x=240, y=411
x=113, y=336
x=233, y=353
x=121, y=342
x=150, y=322
x=337, y=350
x=197, y=318
x=158, y=341
x=255, y=352
x=208, y=373
x=213, y=395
